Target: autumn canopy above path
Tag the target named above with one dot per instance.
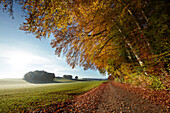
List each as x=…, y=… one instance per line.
x=128, y=39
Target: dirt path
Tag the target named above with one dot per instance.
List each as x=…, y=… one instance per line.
x=111, y=97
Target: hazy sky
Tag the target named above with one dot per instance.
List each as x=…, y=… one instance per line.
x=21, y=52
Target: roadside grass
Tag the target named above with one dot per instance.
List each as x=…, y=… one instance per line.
x=31, y=98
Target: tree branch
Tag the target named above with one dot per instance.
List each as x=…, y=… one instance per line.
x=104, y=45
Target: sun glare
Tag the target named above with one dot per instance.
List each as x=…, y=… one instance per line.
x=22, y=59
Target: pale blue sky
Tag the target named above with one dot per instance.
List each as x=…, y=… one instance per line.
x=21, y=52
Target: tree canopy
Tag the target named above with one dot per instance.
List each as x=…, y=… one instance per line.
x=128, y=39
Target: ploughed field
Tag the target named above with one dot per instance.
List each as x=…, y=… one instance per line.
x=17, y=95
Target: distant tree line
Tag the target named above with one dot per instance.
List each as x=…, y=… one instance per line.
x=39, y=76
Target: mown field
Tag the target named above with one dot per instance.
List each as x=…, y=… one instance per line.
x=17, y=95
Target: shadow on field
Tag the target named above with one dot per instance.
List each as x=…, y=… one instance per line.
x=48, y=82
x=58, y=81
x=55, y=81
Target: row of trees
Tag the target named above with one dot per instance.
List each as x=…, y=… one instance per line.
x=67, y=76
x=128, y=39
x=70, y=77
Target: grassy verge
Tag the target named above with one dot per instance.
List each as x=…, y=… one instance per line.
x=20, y=99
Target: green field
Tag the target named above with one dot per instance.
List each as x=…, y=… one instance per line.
x=17, y=95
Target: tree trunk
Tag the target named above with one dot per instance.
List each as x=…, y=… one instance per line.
x=136, y=55
x=147, y=43
x=128, y=53
x=145, y=16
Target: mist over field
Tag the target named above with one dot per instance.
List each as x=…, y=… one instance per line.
x=20, y=83
x=17, y=83
x=17, y=95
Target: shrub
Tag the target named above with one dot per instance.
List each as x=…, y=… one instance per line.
x=156, y=83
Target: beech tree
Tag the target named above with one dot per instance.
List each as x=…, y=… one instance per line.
x=119, y=37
